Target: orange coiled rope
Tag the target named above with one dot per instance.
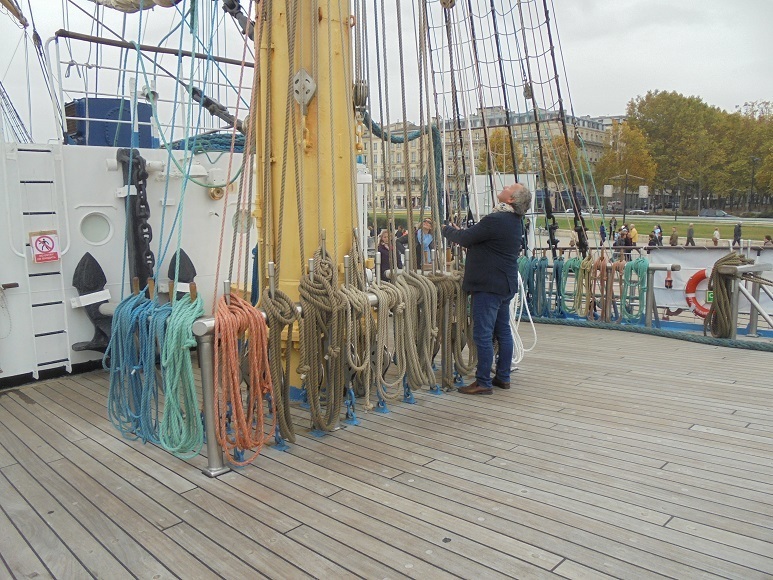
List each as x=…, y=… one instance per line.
x=237, y=321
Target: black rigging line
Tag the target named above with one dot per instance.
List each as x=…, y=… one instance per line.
x=579, y=221
x=504, y=91
x=489, y=160
x=457, y=121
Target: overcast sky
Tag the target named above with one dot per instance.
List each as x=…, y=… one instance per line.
x=614, y=50
x=719, y=50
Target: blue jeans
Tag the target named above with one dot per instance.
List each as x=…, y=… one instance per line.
x=491, y=317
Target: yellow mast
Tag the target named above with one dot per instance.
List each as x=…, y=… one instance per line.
x=321, y=196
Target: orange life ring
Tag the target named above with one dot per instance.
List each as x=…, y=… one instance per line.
x=689, y=293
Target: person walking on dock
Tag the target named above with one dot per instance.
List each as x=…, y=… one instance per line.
x=491, y=276
x=737, y=235
x=674, y=239
x=715, y=236
x=690, y=236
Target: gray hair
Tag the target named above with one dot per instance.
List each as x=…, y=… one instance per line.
x=521, y=199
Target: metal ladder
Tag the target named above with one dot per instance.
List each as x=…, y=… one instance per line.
x=42, y=203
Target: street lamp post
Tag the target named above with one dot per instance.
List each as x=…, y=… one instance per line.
x=754, y=160
x=626, y=175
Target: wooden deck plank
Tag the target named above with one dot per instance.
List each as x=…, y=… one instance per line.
x=48, y=548
x=18, y=558
x=655, y=538
x=83, y=523
x=120, y=488
x=224, y=563
x=358, y=564
x=397, y=546
x=600, y=468
x=5, y=457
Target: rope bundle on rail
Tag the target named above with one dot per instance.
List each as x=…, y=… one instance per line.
x=235, y=323
x=281, y=315
x=390, y=302
x=124, y=398
x=634, y=282
x=720, y=318
x=181, y=431
x=420, y=328
x=323, y=338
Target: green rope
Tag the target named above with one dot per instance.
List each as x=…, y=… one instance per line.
x=637, y=285
x=571, y=267
x=697, y=338
x=181, y=431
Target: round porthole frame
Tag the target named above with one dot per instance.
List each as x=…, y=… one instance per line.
x=110, y=232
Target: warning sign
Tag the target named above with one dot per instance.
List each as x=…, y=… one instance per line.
x=45, y=246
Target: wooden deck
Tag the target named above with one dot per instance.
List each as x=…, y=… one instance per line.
x=613, y=455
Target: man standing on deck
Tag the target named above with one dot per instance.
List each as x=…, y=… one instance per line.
x=491, y=276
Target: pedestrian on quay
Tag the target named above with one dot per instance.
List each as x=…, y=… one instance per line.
x=715, y=236
x=633, y=233
x=737, y=235
x=690, y=235
x=674, y=239
x=385, y=247
x=768, y=240
x=603, y=233
x=613, y=224
x=491, y=276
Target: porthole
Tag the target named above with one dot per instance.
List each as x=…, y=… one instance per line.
x=96, y=228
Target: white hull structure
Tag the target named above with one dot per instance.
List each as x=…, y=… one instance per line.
x=78, y=194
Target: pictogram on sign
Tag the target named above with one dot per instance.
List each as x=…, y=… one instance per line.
x=45, y=246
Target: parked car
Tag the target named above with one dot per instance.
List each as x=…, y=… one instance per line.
x=715, y=213
x=638, y=212
x=583, y=212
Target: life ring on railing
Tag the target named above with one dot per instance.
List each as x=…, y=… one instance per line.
x=689, y=293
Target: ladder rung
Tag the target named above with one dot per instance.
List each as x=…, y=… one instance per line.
x=47, y=304
x=50, y=333
x=53, y=362
x=37, y=274
x=47, y=181
x=38, y=213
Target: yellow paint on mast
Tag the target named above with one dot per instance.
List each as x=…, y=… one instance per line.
x=324, y=140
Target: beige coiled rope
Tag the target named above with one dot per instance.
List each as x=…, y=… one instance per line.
x=323, y=336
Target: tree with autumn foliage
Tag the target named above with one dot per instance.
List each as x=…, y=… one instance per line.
x=715, y=151
x=627, y=150
x=500, y=148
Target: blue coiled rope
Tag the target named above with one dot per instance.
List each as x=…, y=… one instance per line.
x=124, y=399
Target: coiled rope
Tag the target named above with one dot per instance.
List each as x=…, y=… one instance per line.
x=634, y=283
x=719, y=319
x=390, y=302
x=181, y=431
x=420, y=328
x=235, y=322
x=281, y=315
x=124, y=398
x=323, y=336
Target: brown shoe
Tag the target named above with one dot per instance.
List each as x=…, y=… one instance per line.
x=501, y=384
x=474, y=389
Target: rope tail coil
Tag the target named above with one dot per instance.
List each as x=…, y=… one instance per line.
x=240, y=328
